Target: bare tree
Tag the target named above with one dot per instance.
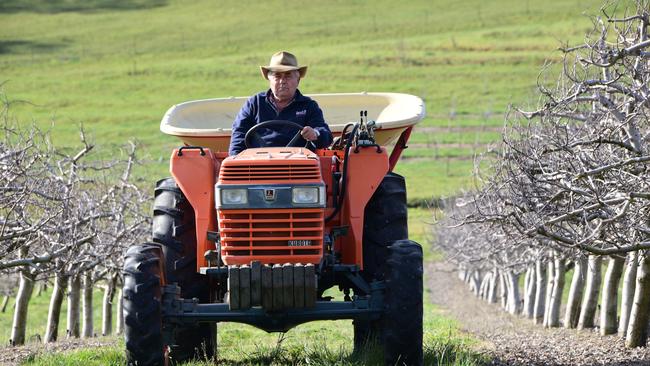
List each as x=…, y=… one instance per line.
x=62, y=212
x=571, y=176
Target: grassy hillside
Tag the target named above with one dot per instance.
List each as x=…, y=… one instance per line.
x=117, y=68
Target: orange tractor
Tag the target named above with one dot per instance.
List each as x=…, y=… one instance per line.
x=258, y=238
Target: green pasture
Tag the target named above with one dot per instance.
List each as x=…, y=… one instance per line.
x=319, y=343
x=37, y=317
x=117, y=68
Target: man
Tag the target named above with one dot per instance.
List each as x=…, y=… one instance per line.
x=283, y=101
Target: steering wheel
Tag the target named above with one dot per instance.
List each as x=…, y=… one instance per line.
x=253, y=132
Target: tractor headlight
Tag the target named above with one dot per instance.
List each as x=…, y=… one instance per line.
x=230, y=196
x=303, y=195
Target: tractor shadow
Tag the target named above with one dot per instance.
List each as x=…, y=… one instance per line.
x=80, y=6
x=447, y=355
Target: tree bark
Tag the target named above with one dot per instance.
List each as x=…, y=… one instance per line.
x=492, y=291
x=556, y=293
x=609, y=296
x=25, y=290
x=107, y=306
x=462, y=272
x=513, y=292
x=540, y=292
x=529, y=293
x=119, y=327
x=503, y=290
x=73, y=307
x=550, y=282
x=637, y=328
x=485, y=285
x=572, y=313
x=88, y=305
x=627, y=297
x=590, y=300
x=476, y=282
x=54, y=313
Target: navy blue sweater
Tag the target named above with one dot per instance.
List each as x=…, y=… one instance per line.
x=258, y=108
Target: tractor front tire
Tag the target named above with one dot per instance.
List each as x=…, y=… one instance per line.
x=174, y=228
x=142, y=306
x=402, y=318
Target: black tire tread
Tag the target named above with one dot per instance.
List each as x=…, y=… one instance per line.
x=402, y=321
x=388, y=255
x=174, y=229
x=385, y=221
x=142, y=307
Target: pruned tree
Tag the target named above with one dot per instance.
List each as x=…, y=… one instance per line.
x=63, y=213
x=571, y=176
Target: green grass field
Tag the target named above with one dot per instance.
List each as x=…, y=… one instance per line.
x=116, y=66
x=116, y=69
x=37, y=317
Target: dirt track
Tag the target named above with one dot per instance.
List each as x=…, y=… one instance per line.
x=512, y=340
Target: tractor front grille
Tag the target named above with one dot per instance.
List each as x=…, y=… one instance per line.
x=256, y=173
x=274, y=236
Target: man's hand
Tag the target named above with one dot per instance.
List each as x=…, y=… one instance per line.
x=309, y=133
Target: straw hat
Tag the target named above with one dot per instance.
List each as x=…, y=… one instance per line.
x=281, y=62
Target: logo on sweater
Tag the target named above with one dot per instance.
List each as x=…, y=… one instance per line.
x=301, y=113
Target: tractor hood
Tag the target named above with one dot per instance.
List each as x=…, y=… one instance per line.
x=271, y=165
x=272, y=154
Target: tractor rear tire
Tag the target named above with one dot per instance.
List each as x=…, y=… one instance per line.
x=385, y=222
x=142, y=306
x=402, y=318
x=175, y=230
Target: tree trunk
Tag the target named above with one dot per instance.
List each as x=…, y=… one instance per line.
x=503, y=290
x=120, y=313
x=572, y=313
x=627, y=297
x=481, y=290
x=529, y=293
x=550, y=282
x=107, y=306
x=88, y=305
x=42, y=287
x=513, y=293
x=609, y=296
x=556, y=293
x=540, y=292
x=637, y=328
x=462, y=272
x=25, y=290
x=476, y=282
x=73, y=306
x=5, y=302
x=492, y=291
x=590, y=300
x=54, y=313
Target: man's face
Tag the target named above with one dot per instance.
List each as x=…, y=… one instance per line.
x=284, y=84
